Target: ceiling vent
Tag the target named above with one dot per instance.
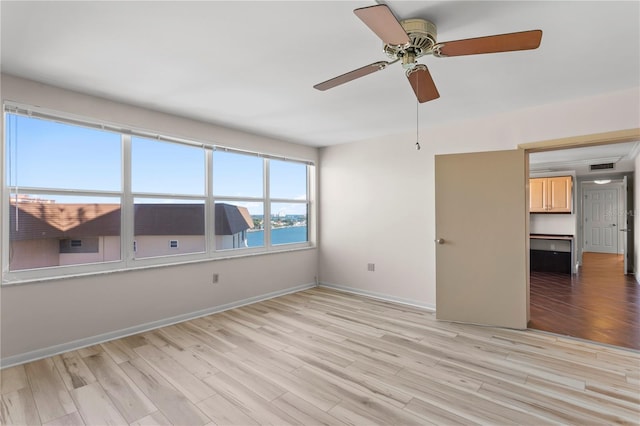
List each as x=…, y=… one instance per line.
x=603, y=166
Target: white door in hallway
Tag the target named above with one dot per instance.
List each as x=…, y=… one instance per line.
x=601, y=220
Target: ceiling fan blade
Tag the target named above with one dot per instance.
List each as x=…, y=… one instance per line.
x=351, y=75
x=422, y=83
x=381, y=21
x=524, y=40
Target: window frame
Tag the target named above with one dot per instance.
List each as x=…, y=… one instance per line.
x=128, y=261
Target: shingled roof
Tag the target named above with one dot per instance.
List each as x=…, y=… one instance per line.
x=32, y=221
x=232, y=219
x=169, y=219
x=52, y=220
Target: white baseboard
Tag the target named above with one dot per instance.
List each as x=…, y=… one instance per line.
x=381, y=296
x=105, y=337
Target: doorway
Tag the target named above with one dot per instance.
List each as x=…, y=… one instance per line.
x=599, y=302
x=607, y=220
x=600, y=220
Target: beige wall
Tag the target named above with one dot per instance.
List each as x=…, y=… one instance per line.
x=39, y=315
x=108, y=250
x=378, y=195
x=158, y=245
x=28, y=254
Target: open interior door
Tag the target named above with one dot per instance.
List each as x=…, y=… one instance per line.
x=482, y=238
x=627, y=228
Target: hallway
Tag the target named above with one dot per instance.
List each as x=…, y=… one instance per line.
x=600, y=303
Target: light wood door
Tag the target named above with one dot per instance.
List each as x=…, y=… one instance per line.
x=559, y=194
x=537, y=195
x=482, y=258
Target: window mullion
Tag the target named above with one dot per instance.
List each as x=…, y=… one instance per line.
x=4, y=203
x=311, y=204
x=210, y=203
x=171, y=196
x=127, y=218
x=267, y=205
x=289, y=200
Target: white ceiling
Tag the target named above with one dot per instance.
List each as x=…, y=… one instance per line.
x=579, y=160
x=252, y=65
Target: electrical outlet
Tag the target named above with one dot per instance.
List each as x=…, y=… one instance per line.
x=215, y=278
x=371, y=267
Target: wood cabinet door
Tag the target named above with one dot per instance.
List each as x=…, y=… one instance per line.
x=559, y=194
x=537, y=195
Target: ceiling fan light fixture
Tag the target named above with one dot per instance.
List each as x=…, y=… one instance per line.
x=410, y=39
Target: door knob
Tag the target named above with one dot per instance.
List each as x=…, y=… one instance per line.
x=440, y=241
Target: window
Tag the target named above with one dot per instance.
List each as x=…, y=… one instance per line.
x=288, y=223
x=45, y=162
x=157, y=221
x=288, y=185
x=237, y=175
x=238, y=188
x=168, y=185
x=83, y=197
x=48, y=154
x=160, y=167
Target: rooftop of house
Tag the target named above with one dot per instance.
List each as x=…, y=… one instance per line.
x=41, y=220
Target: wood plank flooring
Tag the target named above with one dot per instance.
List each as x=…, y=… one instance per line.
x=323, y=357
x=601, y=303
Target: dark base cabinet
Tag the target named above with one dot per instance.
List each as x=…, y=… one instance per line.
x=551, y=261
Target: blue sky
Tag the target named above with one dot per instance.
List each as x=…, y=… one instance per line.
x=61, y=156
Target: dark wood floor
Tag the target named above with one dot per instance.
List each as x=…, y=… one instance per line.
x=600, y=303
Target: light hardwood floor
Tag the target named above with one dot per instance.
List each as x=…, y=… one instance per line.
x=327, y=357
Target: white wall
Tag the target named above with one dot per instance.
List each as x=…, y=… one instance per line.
x=36, y=316
x=563, y=224
x=378, y=195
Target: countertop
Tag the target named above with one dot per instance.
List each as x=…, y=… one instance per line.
x=551, y=237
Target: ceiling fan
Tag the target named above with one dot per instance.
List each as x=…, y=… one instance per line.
x=408, y=40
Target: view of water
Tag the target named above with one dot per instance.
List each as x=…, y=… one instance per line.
x=290, y=234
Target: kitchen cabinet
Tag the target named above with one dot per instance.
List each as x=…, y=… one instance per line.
x=550, y=194
x=551, y=253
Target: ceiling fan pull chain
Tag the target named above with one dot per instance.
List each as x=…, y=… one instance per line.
x=417, y=127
